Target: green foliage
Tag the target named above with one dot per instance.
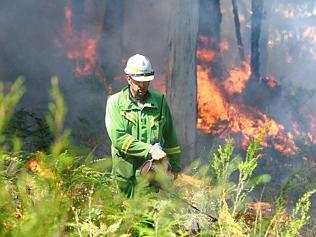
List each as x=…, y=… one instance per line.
x=56, y=118
x=9, y=101
x=221, y=161
x=59, y=193
x=246, y=169
x=299, y=215
x=7, y=105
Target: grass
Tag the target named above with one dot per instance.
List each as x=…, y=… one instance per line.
x=60, y=192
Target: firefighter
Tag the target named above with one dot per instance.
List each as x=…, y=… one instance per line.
x=136, y=119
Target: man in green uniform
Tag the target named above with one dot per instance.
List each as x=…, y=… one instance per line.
x=136, y=119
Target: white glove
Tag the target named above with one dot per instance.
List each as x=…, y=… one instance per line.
x=156, y=153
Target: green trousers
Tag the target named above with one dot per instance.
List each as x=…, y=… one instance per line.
x=142, y=184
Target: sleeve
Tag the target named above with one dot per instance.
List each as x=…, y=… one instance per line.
x=121, y=140
x=171, y=145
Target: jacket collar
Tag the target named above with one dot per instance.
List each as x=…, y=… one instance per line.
x=127, y=104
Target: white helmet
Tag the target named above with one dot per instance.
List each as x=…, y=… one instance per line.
x=139, y=68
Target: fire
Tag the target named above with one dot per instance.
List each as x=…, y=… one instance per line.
x=84, y=53
x=68, y=17
x=219, y=116
x=307, y=32
x=271, y=82
x=224, y=46
x=237, y=79
x=82, y=47
x=309, y=136
x=36, y=166
x=205, y=55
x=204, y=40
x=212, y=105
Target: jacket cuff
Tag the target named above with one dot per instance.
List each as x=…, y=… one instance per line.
x=148, y=155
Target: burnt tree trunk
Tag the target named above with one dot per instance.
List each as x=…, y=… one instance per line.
x=256, y=7
x=216, y=20
x=251, y=96
x=237, y=31
x=181, y=75
x=210, y=19
x=264, y=43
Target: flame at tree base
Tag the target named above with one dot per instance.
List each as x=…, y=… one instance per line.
x=218, y=116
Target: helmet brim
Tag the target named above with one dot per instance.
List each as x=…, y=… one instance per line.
x=142, y=78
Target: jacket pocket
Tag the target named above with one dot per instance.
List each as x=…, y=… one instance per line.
x=130, y=116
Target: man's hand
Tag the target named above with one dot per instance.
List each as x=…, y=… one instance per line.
x=156, y=153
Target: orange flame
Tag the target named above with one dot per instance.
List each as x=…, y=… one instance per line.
x=68, y=17
x=205, y=55
x=85, y=51
x=237, y=79
x=36, y=165
x=218, y=116
x=212, y=106
x=82, y=48
x=271, y=82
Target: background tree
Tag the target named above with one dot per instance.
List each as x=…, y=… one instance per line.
x=181, y=74
x=210, y=19
x=256, y=7
x=237, y=31
x=267, y=6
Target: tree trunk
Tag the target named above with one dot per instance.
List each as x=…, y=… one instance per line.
x=265, y=37
x=181, y=75
x=216, y=20
x=256, y=7
x=237, y=31
x=210, y=19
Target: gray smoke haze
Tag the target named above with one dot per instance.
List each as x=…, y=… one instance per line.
x=29, y=31
x=33, y=44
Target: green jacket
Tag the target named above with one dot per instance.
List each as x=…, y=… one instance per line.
x=133, y=130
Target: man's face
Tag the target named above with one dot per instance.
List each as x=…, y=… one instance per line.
x=138, y=88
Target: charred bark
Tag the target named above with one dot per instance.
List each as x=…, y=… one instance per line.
x=256, y=7
x=267, y=92
x=181, y=75
x=237, y=31
x=210, y=19
x=216, y=20
x=265, y=37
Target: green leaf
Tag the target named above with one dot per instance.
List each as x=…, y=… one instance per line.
x=261, y=179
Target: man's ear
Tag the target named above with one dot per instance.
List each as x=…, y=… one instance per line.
x=128, y=79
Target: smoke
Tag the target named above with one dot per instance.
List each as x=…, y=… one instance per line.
x=146, y=29
x=35, y=44
x=26, y=33
x=287, y=61
x=39, y=40
x=292, y=43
